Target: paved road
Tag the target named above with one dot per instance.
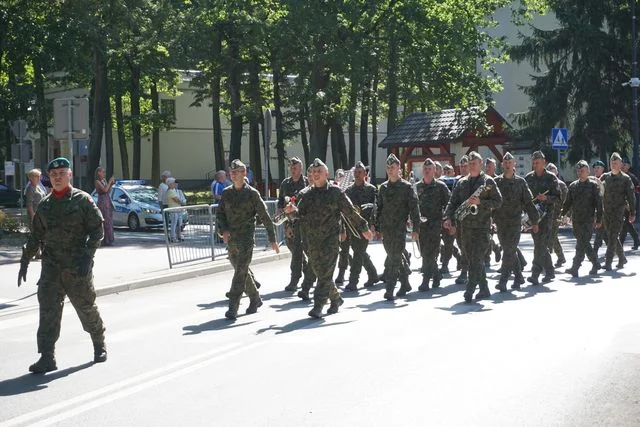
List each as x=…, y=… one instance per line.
x=563, y=354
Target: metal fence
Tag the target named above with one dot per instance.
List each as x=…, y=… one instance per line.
x=195, y=236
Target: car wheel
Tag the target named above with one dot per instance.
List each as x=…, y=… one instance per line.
x=133, y=222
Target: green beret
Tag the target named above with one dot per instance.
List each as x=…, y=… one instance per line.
x=598, y=163
x=317, y=163
x=360, y=165
x=392, y=159
x=237, y=164
x=582, y=164
x=59, y=163
x=616, y=156
x=474, y=155
x=295, y=161
x=428, y=162
x=538, y=155
x=508, y=156
x=464, y=159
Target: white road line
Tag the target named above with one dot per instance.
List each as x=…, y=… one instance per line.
x=124, y=388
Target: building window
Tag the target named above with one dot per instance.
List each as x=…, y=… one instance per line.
x=168, y=108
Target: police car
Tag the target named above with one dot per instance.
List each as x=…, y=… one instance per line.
x=135, y=205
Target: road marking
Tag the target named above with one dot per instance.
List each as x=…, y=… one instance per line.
x=107, y=394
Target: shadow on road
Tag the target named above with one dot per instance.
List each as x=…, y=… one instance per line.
x=209, y=306
x=435, y=293
x=277, y=295
x=464, y=308
x=297, y=303
x=381, y=305
x=34, y=382
x=214, y=325
x=307, y=323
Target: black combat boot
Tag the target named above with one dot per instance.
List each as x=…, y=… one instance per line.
x=388, y=294
x=497, y=252
x=560, y=262
x=594, y=269
x=232, y=312
x=519, y=280
x=502, y=283
x=548, y=277
x=425, y=283
x=533, y=279
x=444, y=269
x=316, y=311
x=468, y=297
x=292, y=286
x=254, y=303
x=621, y=263
x=340, y=278
x=353, y=284
x=484, y=291
x=573, y=271
x=46, y=363
x=462, y=279
x=371, y=282
x=99, y=352
x=607, y=265
x=405, y=287
x=436, y=281
x=304, y=295
x=335, y=305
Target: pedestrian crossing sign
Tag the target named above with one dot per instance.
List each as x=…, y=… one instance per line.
x=559, y=139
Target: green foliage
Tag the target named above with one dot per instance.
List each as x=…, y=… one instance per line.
x=8, y=223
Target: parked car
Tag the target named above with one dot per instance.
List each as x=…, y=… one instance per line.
x=9, y=197
x=135, y=205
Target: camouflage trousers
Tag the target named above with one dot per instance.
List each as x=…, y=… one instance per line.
x=299, y=262
x=448, y=249
x=541, y=255
x=509, y=238
x=360, y=259
x=554, y=242
x=394, y=242
x=464, y=258
x=628, y=228
x=430, y=248
x=613, y=223
x=582, y=232
x=240, y=255
x=53, y=286
x=601, y=236
x=475, y=242
x=323, y=257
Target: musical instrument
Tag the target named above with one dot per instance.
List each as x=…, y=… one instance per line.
x=281, y=217
x=542, y=212
x=465, y=209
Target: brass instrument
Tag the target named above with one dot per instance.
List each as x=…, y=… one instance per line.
x=282, y=217
x=465, y=209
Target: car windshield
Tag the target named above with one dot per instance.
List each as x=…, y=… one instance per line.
x=144, y=194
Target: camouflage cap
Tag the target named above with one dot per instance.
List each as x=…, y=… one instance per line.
x=295, y=161
x=360, y=165
x=538, y=155
x=237, y=164
x=447, y=166
x=438, y=165
x=464, y=159
x=428, y=162
x=616, y=156
x=508, y=156
x=582, y=164
x=490, y=161
x=474, y=155
x=598, y=163
x=317, y=163
x=392, y=159
x=59, y=163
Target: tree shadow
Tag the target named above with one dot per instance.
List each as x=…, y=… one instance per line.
x=307, y=323
x=28, y=383
x=381, y=305
x=465, y=308
x=214, y=325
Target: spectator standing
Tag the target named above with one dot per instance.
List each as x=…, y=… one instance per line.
x=34, y=192
x=219, y=184
x=162, y=189
x=174, y=201
x=103, y=188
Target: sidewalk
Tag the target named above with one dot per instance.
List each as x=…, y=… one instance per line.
x=137, y=260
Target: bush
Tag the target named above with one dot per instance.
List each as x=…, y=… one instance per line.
x=198, y=197
x=8, y=223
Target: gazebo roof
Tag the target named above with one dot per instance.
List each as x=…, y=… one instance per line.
x=433, y=127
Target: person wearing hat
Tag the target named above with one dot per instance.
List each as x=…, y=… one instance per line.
x=463, y=263
x=397, y=202
x=479, y=190
x=554, y=242
x=67, y=226
x=433, y=197
x=289, y=189
x=439, y=170
x=627, y=227
x=546, y=194
x=516, y=198
x=600, y=234
x=618, y=195
x=236, y=221
x=320, y=209
x=585, y=205
x=163, y=188
x=364, y=197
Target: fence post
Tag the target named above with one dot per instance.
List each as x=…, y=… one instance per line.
x=212, y=232
x=166, y=237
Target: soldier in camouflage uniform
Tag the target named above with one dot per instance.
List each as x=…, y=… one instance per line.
x=554, y=242
x=67, y=227
x=627, y=227
x=433, y=197
x=474, y=229
x=583, y=200
x=448, y=249
x=319, y=209
x=397, y=201
x=546, y=192
x=236, y=219
x=463, y=265
x=516, y=198
x=363, y=196
x=618, y=195
x=290, y=187
x=600, y=234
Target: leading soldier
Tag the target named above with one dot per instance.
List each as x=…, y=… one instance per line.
x=67, y=227
x=397, y=201
x=236, y=220
x=583, y=201
x=318, y=209
x=618, y=195
x=475, y=191
x=433, y=197
x=546, y=193
x=516, y=198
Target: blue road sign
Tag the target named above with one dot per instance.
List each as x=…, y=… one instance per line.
x=559, y=139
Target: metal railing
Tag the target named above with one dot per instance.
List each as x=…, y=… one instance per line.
x=195, y=236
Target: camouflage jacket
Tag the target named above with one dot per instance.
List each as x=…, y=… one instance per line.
x=237, y=212
x=618, y=194
x=489, y=199
x=516, y=197
x=397, y=201
x=563, y=196
x=583, y=200
x=318, y=213
x=546, y=182
x=433, y=199
x=66, y=229
x=363, y=195
x=291, y=188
